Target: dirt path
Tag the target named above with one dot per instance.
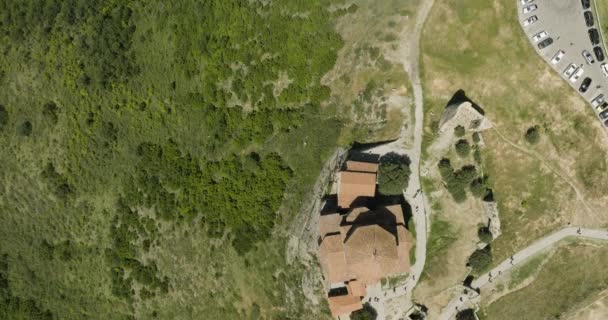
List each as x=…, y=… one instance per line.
x=463, y=300
x=409, y=57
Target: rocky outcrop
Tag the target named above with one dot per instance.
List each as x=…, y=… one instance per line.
x=463, y=114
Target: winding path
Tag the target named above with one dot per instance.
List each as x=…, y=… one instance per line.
x=463, y=299
x=413, y=194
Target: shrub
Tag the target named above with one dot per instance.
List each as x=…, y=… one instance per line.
x=456, y=181
x=466, y=314
x=484, y=234
x=367, y=313
x=476, y=137
x=459, y=131
x=481, y=259
x=479, y=187
x=3, y=117
x=532, y=135
x=463, y=148
x=477, y=154
x=393, y=174
x=25, y=129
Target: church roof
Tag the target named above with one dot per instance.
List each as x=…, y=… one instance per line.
x=354, y=185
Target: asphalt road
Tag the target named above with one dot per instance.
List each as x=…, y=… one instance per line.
x=464, y=300
x=564, y=22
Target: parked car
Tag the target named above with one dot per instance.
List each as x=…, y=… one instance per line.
x=530, y=8
x=601, y=107
x=545, y=43
x=570, y=70
x=524, y=2
x=588, y=18
x=606, y=123
x=530, y=20
x=594, y=36
x=584, y=85
x=557, y=57
x=605, y=69
x=588, y=57
x=577, y=74
x=604, y=115
x=586, y=4
x=537, y=37
x=598, y=100
x=599, y=53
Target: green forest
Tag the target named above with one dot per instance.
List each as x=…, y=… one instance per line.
x=148, y=148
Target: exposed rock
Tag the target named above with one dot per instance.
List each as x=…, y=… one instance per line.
x=490, y=208
x=463, y=114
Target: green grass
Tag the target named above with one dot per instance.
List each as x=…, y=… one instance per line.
x=478, y=55
x=441, y=237
x=171, y=110
x=569, y=278
x=525, y=271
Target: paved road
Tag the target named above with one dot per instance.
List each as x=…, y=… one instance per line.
x=564, y=22
x=462, y=300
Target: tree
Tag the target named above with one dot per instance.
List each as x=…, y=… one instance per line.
x=481, y=259
x=466, y=314
x=393, y=174
x=459, y=131
x=367, y=313
x=484, y=234
x=532, y=135
x=479, y=187
x=463, y=148
x=476, y=137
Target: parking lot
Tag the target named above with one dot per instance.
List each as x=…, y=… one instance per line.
x=564, y=22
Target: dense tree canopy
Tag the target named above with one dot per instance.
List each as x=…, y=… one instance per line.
x=393, y=174
x=367, y=313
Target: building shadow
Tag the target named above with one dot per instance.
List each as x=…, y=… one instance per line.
x=460, y=97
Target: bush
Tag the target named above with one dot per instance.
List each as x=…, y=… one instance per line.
x=463, y=148
x=25, y=129
x=456, y=181
x=459, y=131
x=484, y=234
x=367, y=313
x=393, y=174
x=466, y=314
x=476, y=137
x=477, y=154
x=481, y=259
x=532, y=135
x=3, y=117
x=479, y=187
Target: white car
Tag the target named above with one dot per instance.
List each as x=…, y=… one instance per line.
x=539, y=36
x=530, y=20
x=558, y=57
x=588, y=57
x=524, y=2
x=576, y=75
x=570, y=70
x=605, y=69
x=530, y=8
x=597, y=100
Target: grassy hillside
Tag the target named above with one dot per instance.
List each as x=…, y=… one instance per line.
x=147, y=147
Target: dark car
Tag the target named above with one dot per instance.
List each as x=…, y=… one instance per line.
x=604, y=114
x=585, y=85
x=599, y=53
x=586, y=4
x=589, y=18
x=545, y=43
x=606, y=123
x=594, y=36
